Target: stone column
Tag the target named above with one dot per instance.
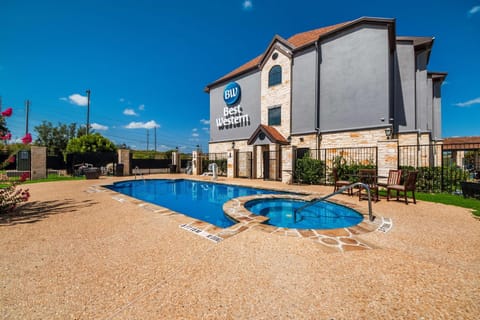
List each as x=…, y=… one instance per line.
x=231, y=163
x=38, y=163
x=288, y=165
x=196, y=163
x=124, y=158
x=387, y=157
x=258, y=162
x=176, y=160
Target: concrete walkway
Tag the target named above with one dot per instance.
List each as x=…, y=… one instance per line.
x=75, y=252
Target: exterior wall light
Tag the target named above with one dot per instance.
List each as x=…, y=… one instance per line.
x=233, y=145
x=289, y=139
x=388, y=132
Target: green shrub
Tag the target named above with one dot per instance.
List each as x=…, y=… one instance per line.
x=308, y=170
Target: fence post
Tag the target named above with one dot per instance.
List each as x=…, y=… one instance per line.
x=124, y=158
x=196, y=163
x=387, y=156
x=176, y=160
x=38, y=164
x=231, y=163
x=441, y=170
x=288, y=163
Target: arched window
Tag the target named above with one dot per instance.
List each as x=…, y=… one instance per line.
x=275, y=76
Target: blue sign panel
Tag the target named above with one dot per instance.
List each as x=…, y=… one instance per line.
x=231, y=94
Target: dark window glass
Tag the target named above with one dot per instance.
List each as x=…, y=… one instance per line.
x=275, y=76
x=274, y=116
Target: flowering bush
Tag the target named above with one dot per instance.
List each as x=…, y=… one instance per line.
x=10, y=194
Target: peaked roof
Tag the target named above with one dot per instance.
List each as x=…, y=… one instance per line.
x=299, y=41
x=270, y=132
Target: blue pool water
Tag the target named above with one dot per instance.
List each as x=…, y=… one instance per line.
x=197, y=199
x=322, y=215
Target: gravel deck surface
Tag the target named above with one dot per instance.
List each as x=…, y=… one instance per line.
x=78, y=254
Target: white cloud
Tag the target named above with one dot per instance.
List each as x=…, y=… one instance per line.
x=141, y=107
x=468, y=103
x=97, y=126
x=474, y=10
x=194, y=129
x=78, y=99
x=130, y=112
x=206, y=129
x=195, y=134
x=142, y=125
x=122, y=99
x=64, y=99
x=204, y=121
x=247, y=5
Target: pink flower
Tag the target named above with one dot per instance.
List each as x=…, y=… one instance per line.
x=27, y=138
x=8, y=136
x=7, y=112
x=24, y=176
x=11, y=159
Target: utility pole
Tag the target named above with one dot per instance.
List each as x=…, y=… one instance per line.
x=147, y=138
x=88, y=111
x=27, y=109
x=155, y=131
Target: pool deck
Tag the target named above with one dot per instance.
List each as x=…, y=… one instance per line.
x=79, y=251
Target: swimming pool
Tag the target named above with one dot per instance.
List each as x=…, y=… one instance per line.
x=321, y=215
x=197, y=199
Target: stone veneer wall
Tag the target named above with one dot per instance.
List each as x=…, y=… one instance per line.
x=38, y=164
x=278, y=95
x=364, y=138
x=219, y=147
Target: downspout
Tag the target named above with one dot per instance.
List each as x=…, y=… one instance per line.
x=317, y=99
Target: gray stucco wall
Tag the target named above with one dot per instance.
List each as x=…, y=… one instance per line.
x=429, y=104
x=303, y=92
x=437, y=111
x=354, y=79
x=404, y=105
x=421, y=91
x=249, y=103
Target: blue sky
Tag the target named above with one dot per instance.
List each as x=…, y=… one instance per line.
x=147, y=62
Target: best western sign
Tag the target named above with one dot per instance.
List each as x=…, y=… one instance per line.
x=233, y=113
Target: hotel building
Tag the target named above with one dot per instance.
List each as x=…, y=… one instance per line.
x=353, y=84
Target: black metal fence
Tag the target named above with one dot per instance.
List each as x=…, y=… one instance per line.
x=314, y=166
x=244, y=164
x=441, y=167
x=272, y=165
x=219, y=158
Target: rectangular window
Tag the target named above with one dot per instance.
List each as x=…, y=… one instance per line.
x=275, y=116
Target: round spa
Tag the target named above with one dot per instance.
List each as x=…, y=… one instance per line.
x=288, y=213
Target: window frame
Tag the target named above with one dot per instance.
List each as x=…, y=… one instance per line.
x=275, y=75
x=271, y=109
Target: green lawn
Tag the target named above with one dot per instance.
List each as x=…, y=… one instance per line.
x=55, y=177
x=51, y=177
x=446, y=198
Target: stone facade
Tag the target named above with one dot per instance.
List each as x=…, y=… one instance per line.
x=278, y=95
x=364, y=138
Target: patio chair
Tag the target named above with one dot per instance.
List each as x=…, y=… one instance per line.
x=340, y=183
x=409, y=185
x=368, y=177
x=394, y=177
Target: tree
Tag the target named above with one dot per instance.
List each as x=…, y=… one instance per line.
x=56, y=138
x=90, y=143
